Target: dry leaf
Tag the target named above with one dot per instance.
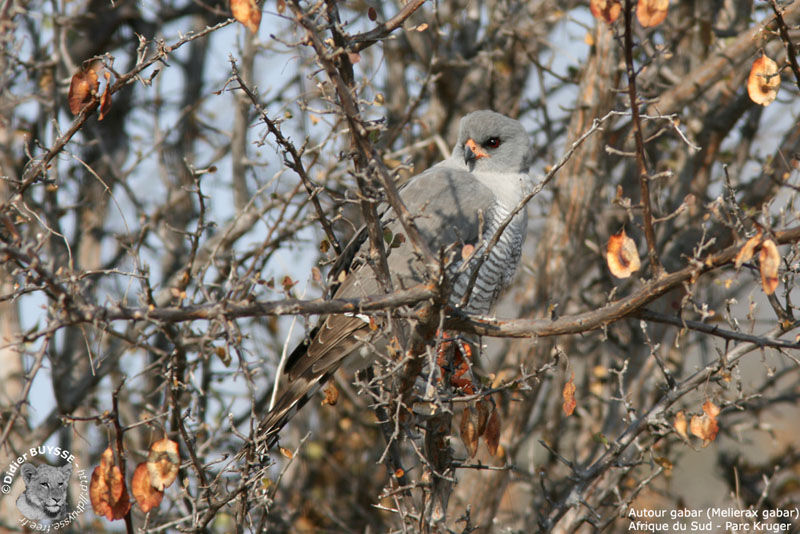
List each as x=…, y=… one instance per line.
x=769, y=260
x=608, y=10
x=281, y=6
x=287, y=283
x=107, y=491
x=492, y=434
x=331, y=394
x=469, y=431
x=147, y=497
x=651, y=12
x=105, y=100
x=763, y=82
x=483, y=415
x=248, y=13
x=746, y=252
x=372, y=14
x=569, y=396
x=286, y=453
x=705, y=426
x=621, y=255
x=163, y=462
x=466, y=251
x=681, y=425
x=82, y=88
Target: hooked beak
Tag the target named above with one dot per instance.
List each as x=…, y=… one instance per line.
x=472, y=152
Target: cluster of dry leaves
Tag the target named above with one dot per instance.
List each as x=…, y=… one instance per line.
x=623, y=260
x=109, y=493
x=703, y=426
x=83, y=89
x=764, y=79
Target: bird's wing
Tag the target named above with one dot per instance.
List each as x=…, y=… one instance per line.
x=445, y=203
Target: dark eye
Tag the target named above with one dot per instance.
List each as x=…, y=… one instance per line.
x=492, y=142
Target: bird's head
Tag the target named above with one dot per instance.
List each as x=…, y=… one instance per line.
x=491, y=142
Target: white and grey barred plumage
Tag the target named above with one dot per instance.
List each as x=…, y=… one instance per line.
x=460, y=201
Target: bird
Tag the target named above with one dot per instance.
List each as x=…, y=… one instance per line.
x=461, y=201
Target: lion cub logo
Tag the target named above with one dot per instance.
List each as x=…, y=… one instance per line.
x=45, y=496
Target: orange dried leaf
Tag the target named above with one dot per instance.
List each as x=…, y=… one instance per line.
x=105, y=100
x=248, y=13
x=469, y=431
x=705, y=426
x=492, y=434
x=331, y=394
x=769, y=260
x=746, y=252
x=763, y=82
x=399, y=472
x=281, y=6
x=107, y=491
x=483, y=415
x=147, y=497
x=286, y=453
x=681, y=425
x=163, y=462
x=569, y=396
x=651, y=12
x=466, y=251
x=607, y=10
x=711, y=409
x=82, y=88
x=621, y=255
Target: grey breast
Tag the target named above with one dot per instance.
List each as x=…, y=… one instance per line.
x=451, y=208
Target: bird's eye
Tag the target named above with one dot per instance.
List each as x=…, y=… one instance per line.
x=492, y=142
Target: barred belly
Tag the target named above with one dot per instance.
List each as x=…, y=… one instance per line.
x=498, y=269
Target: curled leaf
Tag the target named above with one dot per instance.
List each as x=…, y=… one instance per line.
x=247, y=13
x=162, y=463
x=468, y=431
x=147, y=497
x=492, y=434
x=746, y=252
x=569, y=396
x=105, y=100
x=705, y=426
x=82, y=88
x=107, y=491
x=651, y=12
x=681, y=425
x=764, y=80
x=621, y=255
x=331, y=394
x=607, y=10
x=769, y=259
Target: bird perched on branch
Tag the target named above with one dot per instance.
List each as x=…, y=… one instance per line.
x=458, y=205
